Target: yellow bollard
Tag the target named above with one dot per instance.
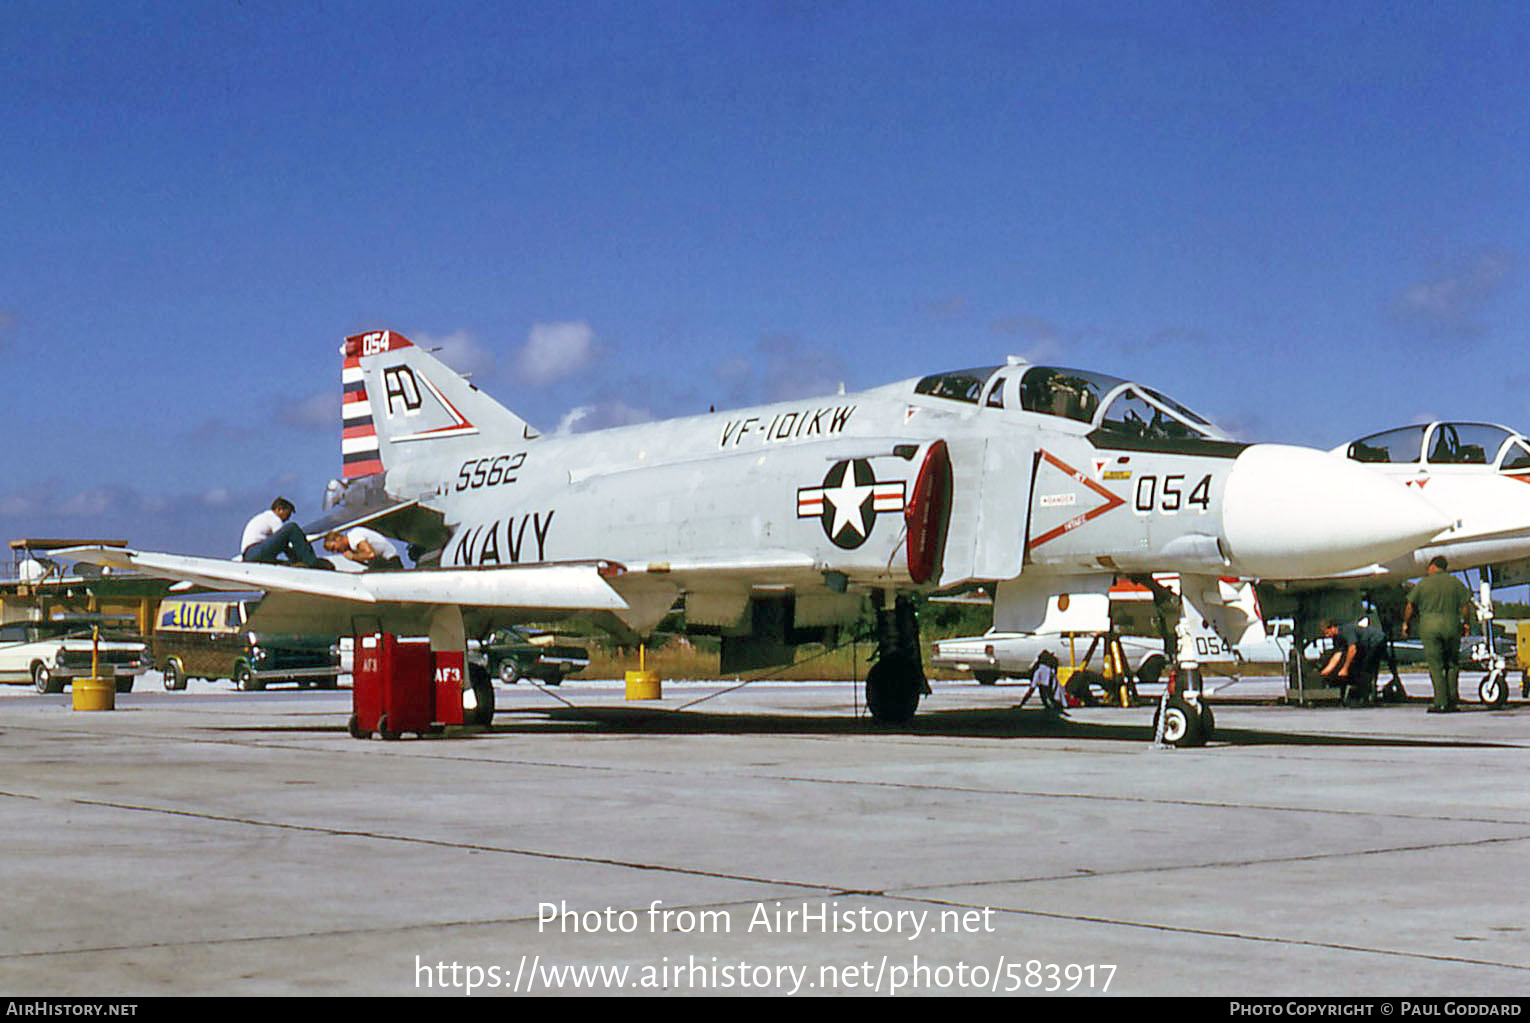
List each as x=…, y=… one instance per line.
x=94, y=693
x=643, y=684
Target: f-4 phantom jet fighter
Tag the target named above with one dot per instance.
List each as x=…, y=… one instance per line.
x=772, y=524
x=1477, y=475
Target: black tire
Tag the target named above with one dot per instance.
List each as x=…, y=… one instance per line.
x=124, y=683
x=1494, y=690
x=1208, y=723
x=382, y=729
x=1084, y=681
x=986, y=678
x=354, y=726
x=893, y=688
x=244, y=678
x=482, y=712
x=507, y=672
x=44, y=680
x=328, y=682
x=1182, y=724
x=1151, y=669
x=175, y=674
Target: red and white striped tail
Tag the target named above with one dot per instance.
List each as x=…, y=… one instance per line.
x=359, y=452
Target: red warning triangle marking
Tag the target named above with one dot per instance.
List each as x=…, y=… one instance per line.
x=1111, y=501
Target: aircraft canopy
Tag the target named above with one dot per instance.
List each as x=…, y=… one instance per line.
x=1445, y=444
x=1108, y=403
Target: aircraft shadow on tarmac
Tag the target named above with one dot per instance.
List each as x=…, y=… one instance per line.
x=970, y=723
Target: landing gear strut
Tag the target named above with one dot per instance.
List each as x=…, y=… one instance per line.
x=1183, y=717
x=896, y=681
x=1493, y=690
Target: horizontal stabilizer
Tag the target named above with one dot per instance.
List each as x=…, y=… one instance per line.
x=561, y=587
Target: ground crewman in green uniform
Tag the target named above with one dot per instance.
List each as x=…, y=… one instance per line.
x=1441, y=602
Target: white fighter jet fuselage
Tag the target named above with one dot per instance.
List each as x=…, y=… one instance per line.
x=773, y=520
x=985, y=474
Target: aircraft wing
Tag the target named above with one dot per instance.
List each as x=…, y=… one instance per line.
x=556, y=587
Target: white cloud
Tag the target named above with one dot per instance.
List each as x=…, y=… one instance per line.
x=554, y=350
x=319, y=412
x=460, y=350
x=1047, y=342
x=602, y=415
x=1450, y=306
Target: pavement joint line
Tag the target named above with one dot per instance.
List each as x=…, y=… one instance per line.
x=442, y=843
x=1233, y=935
x=345, y=932
x=873, y=783
x=745, y=878
x=1167, y=868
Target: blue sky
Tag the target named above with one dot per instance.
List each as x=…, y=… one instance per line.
x=1305, y=221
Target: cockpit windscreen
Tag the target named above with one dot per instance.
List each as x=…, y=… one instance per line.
x=1131, y=411
x=1070, y=393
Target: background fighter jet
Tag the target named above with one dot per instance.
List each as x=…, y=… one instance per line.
x=1478, y=477
x=770, y=524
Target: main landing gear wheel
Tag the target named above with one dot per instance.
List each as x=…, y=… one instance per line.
x=1494, y=690
x=896, y=681
x=478, y=698
x=893, y=688
x=1184, y=725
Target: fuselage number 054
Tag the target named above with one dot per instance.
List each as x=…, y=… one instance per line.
x=1167, y=494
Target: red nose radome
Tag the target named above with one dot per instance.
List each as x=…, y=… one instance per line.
x=1295, y=513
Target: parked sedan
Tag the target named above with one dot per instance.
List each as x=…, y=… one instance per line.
x=51, y=654
x=511, y=655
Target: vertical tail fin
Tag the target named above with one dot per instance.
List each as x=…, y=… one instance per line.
x=359, y=455
x=401, y=404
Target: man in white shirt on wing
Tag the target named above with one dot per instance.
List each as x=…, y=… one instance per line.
x=366, y=547
x=269, y=535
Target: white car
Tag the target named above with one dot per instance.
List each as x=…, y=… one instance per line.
x=996, y=655
x=52, y=654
